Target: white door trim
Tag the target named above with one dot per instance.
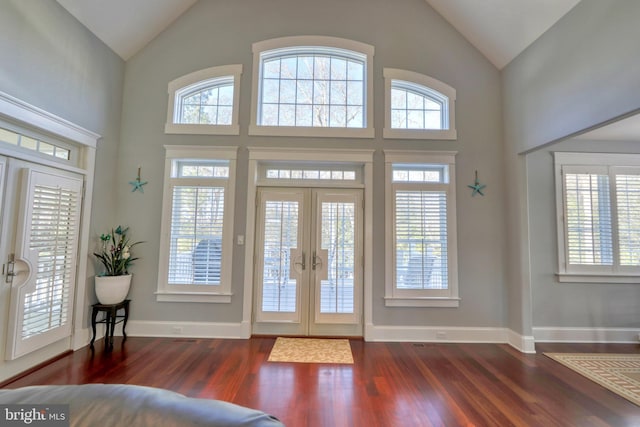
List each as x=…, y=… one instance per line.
x=261, y=154
x=31, y=117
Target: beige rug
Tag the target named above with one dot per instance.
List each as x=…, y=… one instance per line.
x=619, y=373
x=311, y=350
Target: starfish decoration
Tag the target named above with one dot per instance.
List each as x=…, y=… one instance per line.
x=477, y=187
x=137, y=184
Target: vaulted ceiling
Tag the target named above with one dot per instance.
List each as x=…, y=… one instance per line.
x=500, y=29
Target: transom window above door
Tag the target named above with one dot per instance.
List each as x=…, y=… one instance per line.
x=321, y=174
x=312, y=86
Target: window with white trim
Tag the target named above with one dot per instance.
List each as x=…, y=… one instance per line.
x=44, y=147
x=197, y=224
x=312, y=86
x=598, y=209
x=421, y=259
x=205, y=102
x=418, y=106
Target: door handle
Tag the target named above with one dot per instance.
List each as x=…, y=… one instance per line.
x=10, y=272
x=317, y=261
x=302, y=264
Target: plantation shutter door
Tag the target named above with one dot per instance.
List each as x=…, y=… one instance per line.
x=588, y=219
x=47, y=243
x=421, y=240
x=197, y=219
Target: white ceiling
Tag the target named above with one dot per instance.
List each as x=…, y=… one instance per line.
x=623, y=130
x=500, y=29
x=126, y=26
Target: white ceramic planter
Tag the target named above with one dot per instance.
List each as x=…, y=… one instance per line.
x=112, y=289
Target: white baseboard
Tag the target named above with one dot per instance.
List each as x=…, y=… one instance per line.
x=586, y=335
x=435, y=334
x=524, y=343
x=141, y=328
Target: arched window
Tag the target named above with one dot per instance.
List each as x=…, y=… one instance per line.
x=205, y=102
x=418, y=106
x=312, y=86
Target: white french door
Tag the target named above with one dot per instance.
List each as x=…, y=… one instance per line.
x=39, y=250
x=308, y=262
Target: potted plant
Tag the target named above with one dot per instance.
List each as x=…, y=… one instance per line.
x=113, y=285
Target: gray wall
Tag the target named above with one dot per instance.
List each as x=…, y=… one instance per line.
x=582, y=72
x=406, y=34
x=555, y=304
x=579, y=74
x=53, y=62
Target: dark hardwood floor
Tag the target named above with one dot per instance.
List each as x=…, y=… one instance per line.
x=390, y=384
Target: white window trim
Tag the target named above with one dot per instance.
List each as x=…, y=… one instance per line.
x=316, y=41
x=221, y=293
x=588, y=274
x=393, y=296
x=431, y=83
x=192, y=79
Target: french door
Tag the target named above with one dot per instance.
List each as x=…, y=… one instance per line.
x=39, y=248
x=308, y=262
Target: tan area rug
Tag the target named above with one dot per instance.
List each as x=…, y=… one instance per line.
x=619, y=373
x=311, y=350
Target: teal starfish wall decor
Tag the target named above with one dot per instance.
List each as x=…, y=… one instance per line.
x=137, y=184
x=477, y=187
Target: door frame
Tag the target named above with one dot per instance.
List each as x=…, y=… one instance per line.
x=20, y=115
x=337, y=156
x=306, y=319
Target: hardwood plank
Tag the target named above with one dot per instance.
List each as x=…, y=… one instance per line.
x=389, y=384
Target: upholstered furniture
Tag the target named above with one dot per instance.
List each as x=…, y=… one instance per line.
x=93, y=405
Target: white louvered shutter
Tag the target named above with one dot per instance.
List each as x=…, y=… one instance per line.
x=47, y=240
x=195, y=252
x=628, y=204
x=421, y=239
x=588, y=219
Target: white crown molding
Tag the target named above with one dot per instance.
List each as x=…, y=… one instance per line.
x=15, y=109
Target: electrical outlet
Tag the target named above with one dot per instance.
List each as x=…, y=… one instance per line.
x=177, y=330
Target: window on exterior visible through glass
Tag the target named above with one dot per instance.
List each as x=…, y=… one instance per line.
x=211, y=104
x=205, y=102
x=33, y=144
x=313, y=90
x=416, y=107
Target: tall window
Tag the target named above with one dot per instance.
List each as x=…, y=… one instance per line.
x=312, y=86
x=421, y=260
x=205, y=102
x=599, y=216
x=418, y=106
x=197, y=225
